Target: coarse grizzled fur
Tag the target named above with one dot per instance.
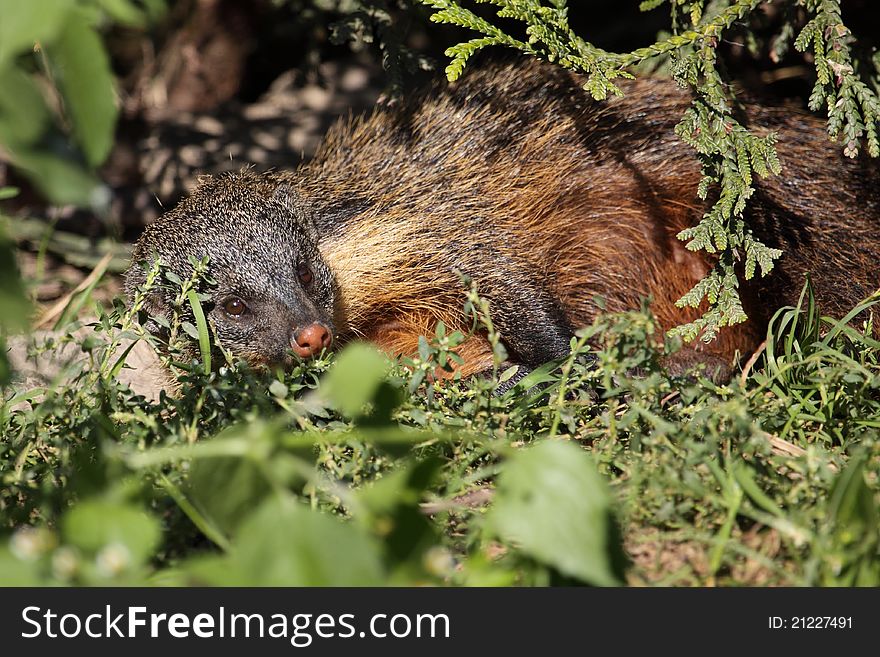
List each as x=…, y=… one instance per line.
x=547, y=199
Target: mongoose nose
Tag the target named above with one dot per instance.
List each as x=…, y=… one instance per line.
x=310, y=340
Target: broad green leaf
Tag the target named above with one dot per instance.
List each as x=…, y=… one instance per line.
x=154, y=8
x=552, y=504
x=355, y=378
x=83, y=71
x=61, y=180
x=96, y=524
x=123, y=11
x=5, y=371
x=14, y=306
x=233, y=473
x=23, y=113
x=25, y=23
x=17, y=572
x=392, y=504
x=284, y=543
x=226, y=489
x=404, y=486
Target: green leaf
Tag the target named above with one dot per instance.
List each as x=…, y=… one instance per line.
x=392, y=505
x=24, y=116
x=202, y=335
x=5, y=367
x=853, y=530
x=508, y=373
x=123, y=11
x=30, y=22
x=14, y=306
x=284, y=543
x=62, y=181
x=93, y=525
x=552, y=504
x=190, y=330
x=278, y=389
x=355, y=378
x=18, y=572
x=225, y=490
x=82, y=68
x=745, y=478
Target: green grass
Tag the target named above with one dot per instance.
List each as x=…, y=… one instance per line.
x=353, y=469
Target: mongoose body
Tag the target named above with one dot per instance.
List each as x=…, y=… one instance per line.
x=545, y=198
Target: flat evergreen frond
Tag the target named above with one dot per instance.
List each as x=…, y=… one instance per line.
x=648, y=5
x=760, y=255
x=461, y=52
x=730, y=154
x=852, y=105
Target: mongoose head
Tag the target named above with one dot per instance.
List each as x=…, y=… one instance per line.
x=270, y=291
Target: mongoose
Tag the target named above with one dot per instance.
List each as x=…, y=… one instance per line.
x=545, y=198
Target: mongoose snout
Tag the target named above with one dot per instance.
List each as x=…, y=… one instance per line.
x=311, y=340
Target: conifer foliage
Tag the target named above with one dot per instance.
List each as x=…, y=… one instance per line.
x=731, y=155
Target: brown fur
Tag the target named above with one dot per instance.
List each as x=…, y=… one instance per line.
x=588, y=197
x=547, y=199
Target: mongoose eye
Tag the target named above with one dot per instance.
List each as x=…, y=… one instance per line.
x=235, y=307
x=304, y=273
